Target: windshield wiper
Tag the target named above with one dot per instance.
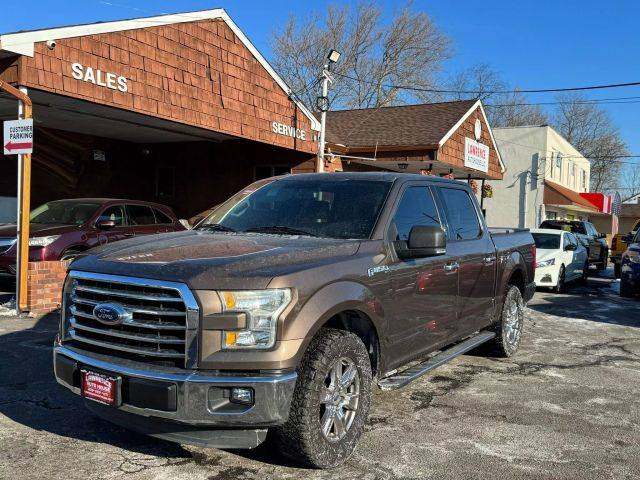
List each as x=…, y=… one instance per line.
x=280, y=229
x=216, y=227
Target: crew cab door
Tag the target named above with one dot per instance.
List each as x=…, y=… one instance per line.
x=470, y=243
x=423, y=305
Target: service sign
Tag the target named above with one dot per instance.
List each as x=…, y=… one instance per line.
x=18, y=137
x=476, y=155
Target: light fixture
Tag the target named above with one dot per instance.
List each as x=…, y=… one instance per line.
x=333, y=56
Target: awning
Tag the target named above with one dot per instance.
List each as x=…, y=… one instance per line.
x=556, y=195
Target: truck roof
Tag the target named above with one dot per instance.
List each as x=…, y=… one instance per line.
x=379, y=176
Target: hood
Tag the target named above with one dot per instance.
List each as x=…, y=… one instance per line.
x=37, y=229
x=205, y=260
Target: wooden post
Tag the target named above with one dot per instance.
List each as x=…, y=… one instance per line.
x=25, y=111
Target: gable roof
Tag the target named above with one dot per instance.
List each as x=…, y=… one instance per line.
x=556, y=194
x=423, y=125
x=22, y=43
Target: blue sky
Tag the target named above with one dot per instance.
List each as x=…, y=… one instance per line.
x=532, y=43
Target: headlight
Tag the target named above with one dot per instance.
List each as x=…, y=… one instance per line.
x=42, y=241
x=262, y=308
x=546, y=263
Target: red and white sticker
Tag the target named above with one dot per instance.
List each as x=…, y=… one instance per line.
x=99, y=388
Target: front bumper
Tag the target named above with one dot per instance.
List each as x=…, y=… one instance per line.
x=547, y=276
x=184, y=406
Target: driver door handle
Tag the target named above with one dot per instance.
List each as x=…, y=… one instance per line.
x=451, y=267
x=488, y=260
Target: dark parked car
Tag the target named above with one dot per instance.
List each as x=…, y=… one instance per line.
x=630, y=267
x=62, y=229
x=594, y=242
x=280, y=310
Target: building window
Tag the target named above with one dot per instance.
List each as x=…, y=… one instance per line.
x=584, y=180
x=266, y=171
x=552, y=215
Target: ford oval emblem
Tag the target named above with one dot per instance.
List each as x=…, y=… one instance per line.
x=111, y=313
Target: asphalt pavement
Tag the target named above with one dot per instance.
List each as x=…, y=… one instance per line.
x=567, y=406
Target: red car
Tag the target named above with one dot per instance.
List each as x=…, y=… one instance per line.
x=62, y=229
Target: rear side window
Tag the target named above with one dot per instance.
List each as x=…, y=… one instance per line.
x=547, y=241
x=140, y=215
x=417, y=207
x=461, y=213
x=162, y=218
x=114, y=214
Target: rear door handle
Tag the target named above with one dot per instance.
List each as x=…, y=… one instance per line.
x=451, y=267
x=488, y=260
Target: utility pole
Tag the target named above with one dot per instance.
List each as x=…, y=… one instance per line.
x=323, y=104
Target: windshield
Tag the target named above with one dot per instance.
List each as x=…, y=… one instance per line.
x=332, y=208
x=546, y=241
x=572, y=227
x=64, y=212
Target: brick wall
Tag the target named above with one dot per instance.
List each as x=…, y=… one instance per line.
x=198, y=73
x=452, y=152
x=44, y=290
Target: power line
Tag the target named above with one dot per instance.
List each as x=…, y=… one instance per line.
x=481, y=92
x=593, y=101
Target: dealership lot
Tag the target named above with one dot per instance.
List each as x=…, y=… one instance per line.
x=567, y=406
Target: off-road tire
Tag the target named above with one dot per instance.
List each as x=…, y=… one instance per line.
x=561, y=286
x=301, y=438
x=626, y=290
x=502, y=345
x=585, y=273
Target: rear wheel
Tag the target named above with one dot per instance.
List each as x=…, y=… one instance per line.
x=625, y=288
x=561, y=286
x=617, y=270
x=330, y=403
x=509, y=327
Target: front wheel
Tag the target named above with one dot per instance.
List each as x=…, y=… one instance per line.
x=626, y=290
x=617, y=270
x=330, y=403
x=602, y=265
x=561, y=285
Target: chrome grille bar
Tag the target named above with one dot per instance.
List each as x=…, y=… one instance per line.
x=161, y=322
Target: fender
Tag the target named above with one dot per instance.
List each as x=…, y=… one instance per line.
x=510, y=263
x=327, y=302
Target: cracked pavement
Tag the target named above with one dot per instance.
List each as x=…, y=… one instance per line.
x=567, y=406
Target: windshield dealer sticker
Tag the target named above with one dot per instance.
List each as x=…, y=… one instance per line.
x=380, y=269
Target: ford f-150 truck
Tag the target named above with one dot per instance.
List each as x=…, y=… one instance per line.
x=286, y=306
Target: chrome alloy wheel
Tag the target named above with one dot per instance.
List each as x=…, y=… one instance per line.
x=513, y=320
x=339, y=399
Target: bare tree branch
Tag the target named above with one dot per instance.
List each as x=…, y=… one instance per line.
x=407, y=49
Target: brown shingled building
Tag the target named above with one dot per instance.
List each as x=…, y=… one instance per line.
x=181, y=109
x=441, y=138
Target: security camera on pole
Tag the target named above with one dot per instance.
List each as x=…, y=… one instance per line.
x=323, y=103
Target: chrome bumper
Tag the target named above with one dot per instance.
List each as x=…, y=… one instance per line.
x=198, y=400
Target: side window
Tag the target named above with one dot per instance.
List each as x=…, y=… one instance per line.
x=114, y=213
x=162, y=218
x=417, y=207
x=462, y=215
x=140, y=215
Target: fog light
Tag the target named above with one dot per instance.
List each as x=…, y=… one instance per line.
x=242, y=395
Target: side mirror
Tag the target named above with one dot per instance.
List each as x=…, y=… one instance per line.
x=105, y=224
x=424, y=241
x=570, y=247
x=628, y=238
x=602, y=235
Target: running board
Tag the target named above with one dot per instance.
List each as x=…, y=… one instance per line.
x=407, y=376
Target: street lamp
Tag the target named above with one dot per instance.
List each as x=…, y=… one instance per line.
x=323, y=103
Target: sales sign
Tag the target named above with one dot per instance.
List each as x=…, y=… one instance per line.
x=18, y=137
x=476, y=155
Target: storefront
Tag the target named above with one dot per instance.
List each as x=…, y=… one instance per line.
x=447, y=139
x=179, y=109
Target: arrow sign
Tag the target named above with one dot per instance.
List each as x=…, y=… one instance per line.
x=18, y=137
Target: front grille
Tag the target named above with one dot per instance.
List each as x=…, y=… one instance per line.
x=156, y=331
